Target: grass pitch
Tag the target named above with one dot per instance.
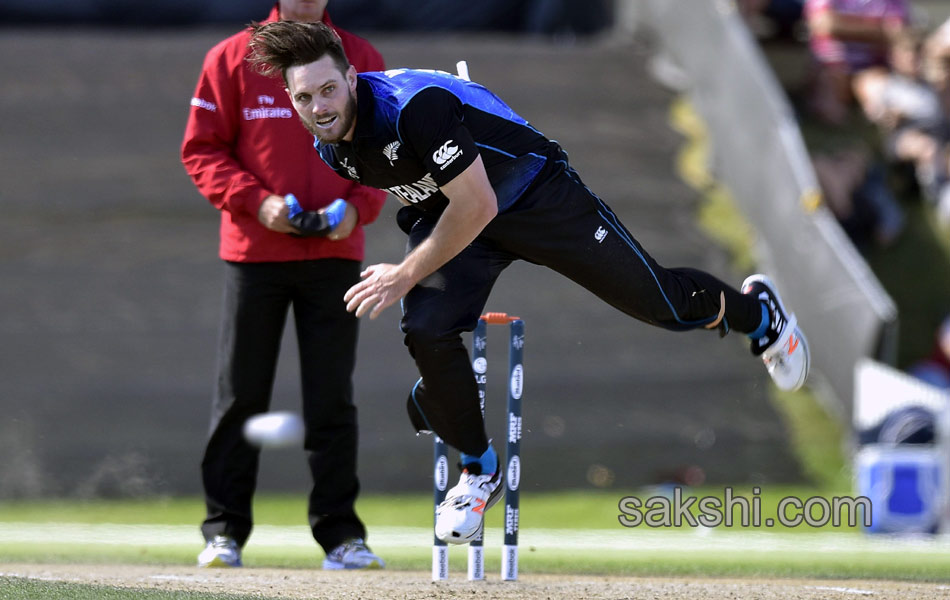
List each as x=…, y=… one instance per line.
x=572, y=532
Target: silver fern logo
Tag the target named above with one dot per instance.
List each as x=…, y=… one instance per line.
x=390, y=152
x=350, y=169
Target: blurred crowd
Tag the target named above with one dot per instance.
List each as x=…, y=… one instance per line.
x=874, y=103
x=888, y=65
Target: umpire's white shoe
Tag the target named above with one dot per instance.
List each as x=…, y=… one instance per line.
x=460, y=518
x=783, y=347
x=352, y=554
x=222, y=551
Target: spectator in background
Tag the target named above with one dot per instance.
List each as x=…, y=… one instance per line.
x=772, y=19
x=910, y=114
x=848, y=36
x=565, y=19
x=246, y=151
x=855, y=188
x=937, y=72
x=937, y=62
x=935, y=369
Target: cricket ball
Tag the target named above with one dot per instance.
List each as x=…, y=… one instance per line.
x=274, y=430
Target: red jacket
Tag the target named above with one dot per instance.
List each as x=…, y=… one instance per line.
x=244, y=142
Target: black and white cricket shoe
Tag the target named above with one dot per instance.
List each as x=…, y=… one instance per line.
x=220, y=552
x=352, y=554
x=783, y=347
x=460, y=518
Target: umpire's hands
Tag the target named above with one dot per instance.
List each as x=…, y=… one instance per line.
x=350, y=218
x=274, y=215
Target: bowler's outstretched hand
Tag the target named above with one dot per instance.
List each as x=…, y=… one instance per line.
x=382, y=286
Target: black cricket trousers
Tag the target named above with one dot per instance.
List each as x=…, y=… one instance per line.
x=562, y=225
x=256, y=299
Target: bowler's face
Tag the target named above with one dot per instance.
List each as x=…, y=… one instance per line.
x=325, y=99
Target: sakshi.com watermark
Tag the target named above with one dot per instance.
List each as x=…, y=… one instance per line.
x=677, y=509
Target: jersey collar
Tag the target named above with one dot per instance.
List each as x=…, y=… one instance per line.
x=366, y=125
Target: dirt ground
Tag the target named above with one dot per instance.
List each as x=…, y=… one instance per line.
x=406, y=585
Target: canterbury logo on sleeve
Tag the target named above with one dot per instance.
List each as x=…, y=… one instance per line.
x=446, y=155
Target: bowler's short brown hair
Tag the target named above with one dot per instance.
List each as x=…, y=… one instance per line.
x=277, y=46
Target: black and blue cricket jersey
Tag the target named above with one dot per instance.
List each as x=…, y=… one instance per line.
x=416, y=130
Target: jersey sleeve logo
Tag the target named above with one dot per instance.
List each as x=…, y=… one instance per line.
x=202, y=103
x=446, y=155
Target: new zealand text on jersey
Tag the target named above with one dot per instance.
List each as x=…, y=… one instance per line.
x=415, y=192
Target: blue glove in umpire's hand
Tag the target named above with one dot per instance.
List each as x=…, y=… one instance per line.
x=291, y=201
x=335, y=212
x=311, y=223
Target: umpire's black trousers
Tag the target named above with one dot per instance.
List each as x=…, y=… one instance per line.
x=256, y=299
x=562, y=225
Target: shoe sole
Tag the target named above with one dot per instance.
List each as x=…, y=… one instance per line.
x=217, y=563
x=341, y=567
x=803, y=342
